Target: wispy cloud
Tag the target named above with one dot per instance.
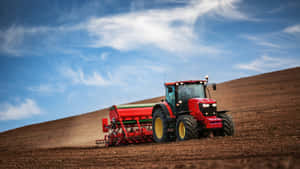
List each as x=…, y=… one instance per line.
x=14, y=39
x=11, y=39
x=266, y=63
x=261, y=41
x=167, y=29
x=16, y=112
x=121, y=75
x=142, y=72
x=170, y=29
x=282, y=39
x=79, y=77
x=101, y=56
x=48, y=88
x=228, y=9
x=295, y=29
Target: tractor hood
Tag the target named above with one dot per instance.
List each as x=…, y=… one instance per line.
x=202, y=100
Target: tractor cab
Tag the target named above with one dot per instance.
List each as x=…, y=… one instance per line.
x=179, y=94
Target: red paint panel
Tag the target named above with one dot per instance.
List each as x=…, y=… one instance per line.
x=104, y=125
x=169, y=109
x=209, y=122
x=201, y=100
x=131, y=113
x=213, y=122
x=135, y=112
x=193, y=105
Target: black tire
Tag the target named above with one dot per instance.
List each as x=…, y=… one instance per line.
x=228, y=125
x=158, y=113
x=190, y=125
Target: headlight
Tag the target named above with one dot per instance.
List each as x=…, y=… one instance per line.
x=205, y=105
x=214, y=105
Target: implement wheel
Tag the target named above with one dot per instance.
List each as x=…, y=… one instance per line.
x=228, y=126
x=186, y=128
x=159, y=126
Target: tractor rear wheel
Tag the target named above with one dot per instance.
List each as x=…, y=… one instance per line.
x=186, y=128
x=160, y=126
x=228, y=125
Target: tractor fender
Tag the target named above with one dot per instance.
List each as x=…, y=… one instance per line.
x=166, y=109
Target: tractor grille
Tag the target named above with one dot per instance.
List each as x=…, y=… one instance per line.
x=208, y=111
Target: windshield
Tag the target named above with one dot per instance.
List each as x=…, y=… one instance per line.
x=188, y=91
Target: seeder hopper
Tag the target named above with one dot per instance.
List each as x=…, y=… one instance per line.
x=129, y=124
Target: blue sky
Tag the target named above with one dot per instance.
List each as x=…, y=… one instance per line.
x=63, y=58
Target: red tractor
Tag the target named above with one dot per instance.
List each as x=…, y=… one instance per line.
x=185, y=114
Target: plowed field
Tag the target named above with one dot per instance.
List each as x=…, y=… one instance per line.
x=265, y=109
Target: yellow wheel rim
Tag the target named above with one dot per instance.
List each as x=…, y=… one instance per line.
x=181, y=130
x=158, y=128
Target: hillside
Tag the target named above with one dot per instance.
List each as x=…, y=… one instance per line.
x=75, y=131
x=265, y=109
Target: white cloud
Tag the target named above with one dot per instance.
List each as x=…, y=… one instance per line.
x=170, y=29
x=79, y=77
x=48, y=88
x=13, y=40
x=85, y=57
x=142, y=72
x=261, y=41
x=268, y=44
x=292, y=29
x=123, y=75
x=167, y=29
x=266, y=63
x=16, y=112
x=228, y=9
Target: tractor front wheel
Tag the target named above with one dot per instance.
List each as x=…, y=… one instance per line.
x=160, y=126
x=228, y=125
x=186, y=128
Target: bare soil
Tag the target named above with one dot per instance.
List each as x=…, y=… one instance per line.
x=265, y=109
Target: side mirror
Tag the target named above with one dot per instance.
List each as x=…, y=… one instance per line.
x=214, y=86
x=170, y=89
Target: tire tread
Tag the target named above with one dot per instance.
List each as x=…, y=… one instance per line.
x=228, y=125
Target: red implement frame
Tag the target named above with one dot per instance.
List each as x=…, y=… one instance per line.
x=128, y=125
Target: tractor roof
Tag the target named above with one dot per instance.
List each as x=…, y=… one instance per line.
x=185, y=82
